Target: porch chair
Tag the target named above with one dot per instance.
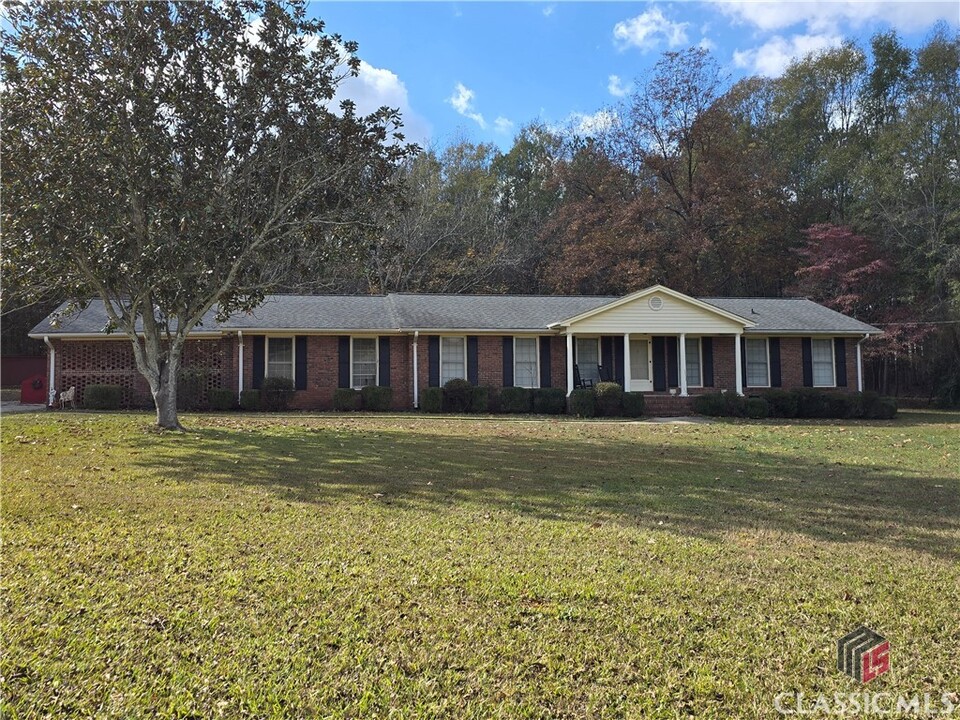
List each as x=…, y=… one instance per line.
x=578, y=381
x=69, y=396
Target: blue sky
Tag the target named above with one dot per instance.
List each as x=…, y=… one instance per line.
x=482, y=70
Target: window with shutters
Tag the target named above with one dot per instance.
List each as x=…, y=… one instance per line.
x=526, y=371
x=694, y=362
x=453, y=359
x=280, y=357
x=758, y=362
x=588, y=358
x=363, y=362
x=823, y=370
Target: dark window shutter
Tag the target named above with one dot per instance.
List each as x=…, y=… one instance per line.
x=775, y=378
x=806, y=352
x=384, y=359
x=606, y=358
x=546, y=380
x=508, y=361
x=473, y=358
x=259, y=353
x=706, y=346
x=743, y=360
x=618, y=359
x=659, y=367
x=300, y=372
x=344, y=362
x=673, y=362
x=433, y=351
x=840, y=361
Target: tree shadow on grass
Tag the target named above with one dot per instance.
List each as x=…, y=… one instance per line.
x=691, y=489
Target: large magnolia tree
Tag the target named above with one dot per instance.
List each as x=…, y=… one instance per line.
x=171, y=158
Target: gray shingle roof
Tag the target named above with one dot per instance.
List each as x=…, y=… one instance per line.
x=402, y=311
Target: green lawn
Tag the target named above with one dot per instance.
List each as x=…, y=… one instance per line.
x=416, y=567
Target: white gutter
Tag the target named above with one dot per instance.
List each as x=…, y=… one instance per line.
x=860, y=363
x=240, y=371
x=51, y=391
x=416, y=372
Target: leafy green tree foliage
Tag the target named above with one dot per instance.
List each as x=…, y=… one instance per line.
x=172, y=158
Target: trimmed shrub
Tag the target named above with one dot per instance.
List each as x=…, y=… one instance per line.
x=633, y=404
x=782, y=403
x=494, y=404
x=457, y=396
x=720, y=405
x=550, y=401
x=516, y=400
x=250, y=400
x=871, y=406
x=757, y=408
x=222, y=399
x=609, y=398
x=480, y=402
x=583, y=403
x=192, y=389
x=103, y=397
x=275, y=393
x=812, y=403
x=346, y=399
x=376, y=398
x=431, y=400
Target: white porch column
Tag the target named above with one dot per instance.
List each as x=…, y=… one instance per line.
x=738, y=363
x=860, y=365
x=626, y=362
x=240, y=359
x=683, y=364
x=569, y=364
x=416, y=371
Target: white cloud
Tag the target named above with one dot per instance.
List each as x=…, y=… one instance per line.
x=375, y=87
x=597, y=122
x=462, y=102
x=616, y=87
x=503, y=125
x=772, y=58
x=707, y=44
x=548, y=10
x=648, y=29
x=824, y=17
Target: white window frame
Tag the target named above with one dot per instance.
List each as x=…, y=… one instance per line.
x=536, y=354
x=746, y=364
x=376, y=356
x=293, y=355
x=699, y=340
x=596, y=339
x=466, y=360
x=833, y=362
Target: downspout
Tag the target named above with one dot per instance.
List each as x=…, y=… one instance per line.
x=416, y=372
x=51, y=391
x=860, y=364
x=240, y=371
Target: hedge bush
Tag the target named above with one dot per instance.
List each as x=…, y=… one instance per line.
x=376, y=398
x=633, y=404
x=222, y=399
x=192, y=389
x=275, y=393
x=516, y=400
x=782, y=403
x=720, y=405
x=250, y=400
x=480, y=402
x=494, y=404
x=609, y=398
x=550, y=401
x=103, y=397
x=583, y=403
x=757, y=408
x=457, y=396
x=346, y=399
x=875, y=407
x=431, y=400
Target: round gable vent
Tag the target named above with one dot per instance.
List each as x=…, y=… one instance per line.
x=655, y=303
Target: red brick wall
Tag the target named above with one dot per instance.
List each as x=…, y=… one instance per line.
x=558, y=362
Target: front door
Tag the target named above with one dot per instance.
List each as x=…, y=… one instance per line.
x=641, y=365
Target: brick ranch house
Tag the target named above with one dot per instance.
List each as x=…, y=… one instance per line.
x=657, y=341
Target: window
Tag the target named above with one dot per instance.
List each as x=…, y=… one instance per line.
x=363, y=362
x=280, y=357
x=453, y=358
x=758, y=366
x=822, y=363
x=525, y=368
x=694, y=366
x=588, y=358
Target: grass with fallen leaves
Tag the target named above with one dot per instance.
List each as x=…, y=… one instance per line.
x=469, y=568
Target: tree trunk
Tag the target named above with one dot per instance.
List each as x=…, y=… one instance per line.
x=165, y=398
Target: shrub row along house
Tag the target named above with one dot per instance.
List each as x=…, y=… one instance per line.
x=657, y=341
